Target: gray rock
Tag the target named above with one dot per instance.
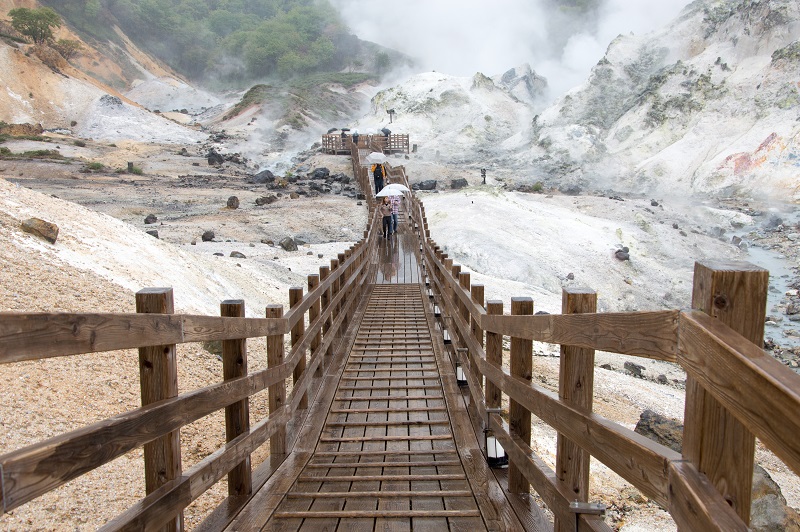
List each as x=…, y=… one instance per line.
x=150, y=219
x=634, y=369
x=238, y=255
x=768, y=510
x=263, y=177
x=458, y=183
x=320, y=173
x=41, y=228
x=288, y=244
x=152, y=232
x=622, y=255
x=429, y=184
x=233, y=202
x=266, y=200
x=208, y=236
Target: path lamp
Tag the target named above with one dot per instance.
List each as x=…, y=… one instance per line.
x=483, y=175
x=495, y=454
x=461, y=377
x=391, y=114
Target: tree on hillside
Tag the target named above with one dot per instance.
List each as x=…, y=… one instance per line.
x=37, y=24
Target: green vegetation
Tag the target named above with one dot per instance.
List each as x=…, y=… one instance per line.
x=95, y=167
x=255, y=96
x=37, y=24
x=67, y=48
x=5, y=153
x=265, y=38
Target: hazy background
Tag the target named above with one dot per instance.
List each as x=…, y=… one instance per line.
x=461, y=37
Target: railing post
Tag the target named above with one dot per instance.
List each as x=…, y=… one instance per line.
x=325, y=300
x=158, y=378
x=575, y=387
x=237, y=415
x=494, y=354
x=335, y=291
x=522, y=368
x=277, y=392
x=295, y=298
x=713, y=439
x=342, y=281
x=313, y=315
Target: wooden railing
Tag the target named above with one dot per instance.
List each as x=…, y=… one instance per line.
x=734, y=390
x=315, y=322
x=336, y=144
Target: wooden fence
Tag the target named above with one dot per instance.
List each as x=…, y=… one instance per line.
x=734, y=390
x=342, y=145
x=327, y=309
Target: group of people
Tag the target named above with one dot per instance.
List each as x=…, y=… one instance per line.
x=390, y=206
x=390, y=210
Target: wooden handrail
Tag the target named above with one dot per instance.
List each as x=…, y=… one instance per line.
x=726, y=364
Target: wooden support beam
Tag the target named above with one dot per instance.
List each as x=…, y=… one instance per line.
x=295, y=297
x=519, y=416
x=717, y=443
x=277, y=392
x=158, y=373
x=237, y=415
x=575, y=387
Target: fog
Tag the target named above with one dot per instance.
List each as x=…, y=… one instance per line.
x=461, y=37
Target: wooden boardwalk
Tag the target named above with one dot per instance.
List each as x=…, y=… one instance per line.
x=392, y=451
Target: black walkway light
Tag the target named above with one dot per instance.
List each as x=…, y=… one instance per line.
x=495, y=454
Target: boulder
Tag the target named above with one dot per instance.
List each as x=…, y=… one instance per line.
x=214, y=158
x=41, y=228
x=266, y=200
x=621, y=254
x=238, y=255
x=768, y=510
x=288, y=244
x=458, y=183
x=152, y=232
x=233, y=202
x=634, y=369
x=320, y=173
x=208, y=236
x=263, y=177
x=150, y=219
x=429, y=184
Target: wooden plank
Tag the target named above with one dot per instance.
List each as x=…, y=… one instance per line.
x=575, y=387
x=34, y=470
x=277, y=391
x=645, y=334
x=555, y=494
x=237, y=415
x=635, y=458
x=385, y=438
x=402, y=514
x=297, y=333
x=494, y=355
x=760, y=391
x=717, y=443
x=380, y=494
x=158, y=379
x=521, y=368
x=154, y=510
x=210, y=328
x=695, y=504
x=371, y=410
x=32, y=336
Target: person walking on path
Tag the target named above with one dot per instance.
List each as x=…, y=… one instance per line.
x=386, y=212
x=377, y=175
x=394, y=201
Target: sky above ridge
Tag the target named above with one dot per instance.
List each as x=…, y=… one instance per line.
x=461, y=37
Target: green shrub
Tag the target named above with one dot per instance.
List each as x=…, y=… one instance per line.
x=94, y=167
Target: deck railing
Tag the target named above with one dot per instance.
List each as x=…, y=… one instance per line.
x=336, y=144
x=734, y=390
x=333, y=296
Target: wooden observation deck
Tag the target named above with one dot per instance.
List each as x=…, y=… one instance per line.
x=375, y=433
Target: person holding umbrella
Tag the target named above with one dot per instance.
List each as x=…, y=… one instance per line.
x=386, y=211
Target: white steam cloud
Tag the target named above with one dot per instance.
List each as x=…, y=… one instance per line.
x=461, y=37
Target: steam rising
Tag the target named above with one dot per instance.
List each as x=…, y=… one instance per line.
x=461, y=37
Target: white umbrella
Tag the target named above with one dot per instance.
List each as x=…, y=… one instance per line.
x=375, y=157
x=397, y=186
x=390, y=190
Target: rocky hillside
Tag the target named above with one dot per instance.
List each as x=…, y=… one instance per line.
x=708, y=104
